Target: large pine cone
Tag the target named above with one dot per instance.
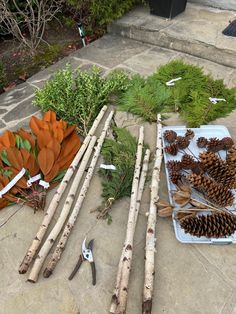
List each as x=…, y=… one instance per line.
x=216, y=225
x=182, y=142
x=231, y=157
x=170, y=136
x=218, y=169
x=175, y=177
x=215, y=192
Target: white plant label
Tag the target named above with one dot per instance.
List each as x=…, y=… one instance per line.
x=172, y=82
x=12, y=182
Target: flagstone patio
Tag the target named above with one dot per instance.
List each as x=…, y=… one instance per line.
x=189, y=278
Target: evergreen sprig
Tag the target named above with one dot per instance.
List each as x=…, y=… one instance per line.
x=116, y=184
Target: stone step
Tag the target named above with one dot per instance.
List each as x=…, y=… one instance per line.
x=197, y=31
x=220, y=4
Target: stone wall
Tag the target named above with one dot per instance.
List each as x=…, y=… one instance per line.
x=221, y=4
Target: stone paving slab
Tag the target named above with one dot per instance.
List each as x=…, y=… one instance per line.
x=197, y=31
x=189, y=278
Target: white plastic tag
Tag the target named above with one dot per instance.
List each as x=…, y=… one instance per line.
x=12, y=182
x=172, y=82
x=33, y=179
x=215, y=100
x=44, y=184
x=108, y=167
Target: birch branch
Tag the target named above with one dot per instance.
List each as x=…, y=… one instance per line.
x=124, y=271
x=56, y=199
x=151, y=227
x=74, y=214
x=46, y=247
x=143, y=176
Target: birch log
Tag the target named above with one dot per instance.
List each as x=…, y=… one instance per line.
x=73, y=216
x=56, y=199
x=66, y=208
x=138, y=203
x=151, y=227
x=128, y=244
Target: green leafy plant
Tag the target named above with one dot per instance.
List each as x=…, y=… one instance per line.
x=77, y=98
x=189, y=96
x=2, y=76
x=116, y=184
x=48, y=55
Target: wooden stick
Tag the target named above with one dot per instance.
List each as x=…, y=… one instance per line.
x=46, y=247
x=143, y=176
x=151, y=226
x=56, y=199
x=73, y=216
x=124, y=270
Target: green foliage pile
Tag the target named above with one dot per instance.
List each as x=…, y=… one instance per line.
x=119, y=152
x=78, y=97
x=189, y=96
x=2, y=76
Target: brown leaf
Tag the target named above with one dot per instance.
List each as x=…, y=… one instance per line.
x=55, y=146
x=70, y=145
x=32, y=166
x=69, y=130
x=15, y=158
x=36, y=125
x=3, y=203
x=9, y=86
x=52, y=174
x=50, y=116
x=22, y=183
x=46, y=160
x=8, y=139
x=43, y=138
x=26, y=136
x=25, y=155
x=58, y=134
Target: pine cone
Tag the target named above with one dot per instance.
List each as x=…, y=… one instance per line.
x=215, y=192
x=214, y=145
x=218, y=169
x=215, y=225
x=170, y=136
x=173, y=165
x=197, y=167
x=231, y=157
x=189, y=134
x=187, y=161
x=202, y=142
x=172, y=149
x=182, y=142
x=227, y=142
x=175, y=177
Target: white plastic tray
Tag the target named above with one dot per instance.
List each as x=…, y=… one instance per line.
x=207, y=131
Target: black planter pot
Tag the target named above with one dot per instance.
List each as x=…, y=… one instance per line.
x=167, y=8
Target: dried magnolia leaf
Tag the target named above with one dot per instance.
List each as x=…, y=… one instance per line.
x=15, y=158
x=69, y=130
x=52, y=174
x=58, y=134
x=25, y=155
x=36, y=125
x=70, y=145
x=27, y=136
x=46, y=160
x=3, y=203
x=50, y=116
x=32, y=166
x=165, y=212
x=43, y=138
x=8, y=139
x=55, y=146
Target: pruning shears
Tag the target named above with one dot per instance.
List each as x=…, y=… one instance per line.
x=86, y=255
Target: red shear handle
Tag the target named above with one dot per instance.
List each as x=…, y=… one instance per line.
x=93, y=268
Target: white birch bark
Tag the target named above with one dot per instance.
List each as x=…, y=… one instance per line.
x=143, y=176
x=74, y=214
x=46, y=247
x=151, y=227
x=56, y=199
x=128, y=244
